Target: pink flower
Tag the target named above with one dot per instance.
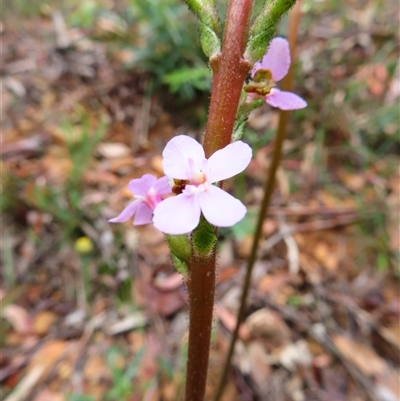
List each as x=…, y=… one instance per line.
x=193, y=175
x=271, y=69
x=147, y=190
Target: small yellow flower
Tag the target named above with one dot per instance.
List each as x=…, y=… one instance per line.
x=84, y=245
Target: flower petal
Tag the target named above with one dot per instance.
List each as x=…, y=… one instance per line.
x=220, y=208
x=176, y=157
x=127, y=213
x=285, y=100
x=229, y=161
x=277, y=58
x=177, y=215
x=140, y=186
x=143, y=215
x=162, y=185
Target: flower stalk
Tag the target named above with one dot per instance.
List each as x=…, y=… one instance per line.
x=229, y=73
x=201, y=288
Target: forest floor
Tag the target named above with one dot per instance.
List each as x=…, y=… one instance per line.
x=93, y=311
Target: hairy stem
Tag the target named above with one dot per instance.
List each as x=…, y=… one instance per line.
x=229, y=73
x=201, y=286
x=286, y=84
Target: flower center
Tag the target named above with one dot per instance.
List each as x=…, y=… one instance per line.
x=196, y=183
x=198, y=178
x=261, y=84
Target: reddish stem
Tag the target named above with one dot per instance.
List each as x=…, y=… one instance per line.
x=229, y=74
x=201, y=286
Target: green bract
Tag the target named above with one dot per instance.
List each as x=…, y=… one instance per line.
x=180, y=251
x=209, y=25
x=204, y=238
x=263, y=28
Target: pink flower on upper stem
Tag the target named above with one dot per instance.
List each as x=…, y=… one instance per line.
x=193, y=174
x=271, y=69
x=147, y=190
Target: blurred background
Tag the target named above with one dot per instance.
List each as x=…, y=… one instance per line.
x=91, y=93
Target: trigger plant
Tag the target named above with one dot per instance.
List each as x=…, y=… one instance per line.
x=189, y=203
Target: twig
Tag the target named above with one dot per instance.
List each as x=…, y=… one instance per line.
x=26, y=385
x=309, y=210
x=293, y=254
x=62, y=38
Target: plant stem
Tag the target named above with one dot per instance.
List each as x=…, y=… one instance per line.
x=201, y=287
x=229, y=73
x=286, y=84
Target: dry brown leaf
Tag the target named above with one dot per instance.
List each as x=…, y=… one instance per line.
x=269, y=227
x=103, y=177
x=324, y=255
x=244, y=246
x=226, y=255
x=355, y=182
x=152, y=394
x=377, y=80
x=295, y=355
x=165, y=303
x=43, y=321
x=227, y=273
x=136, y=340
x=48, y=355
x=170, y=283
x=95, y=369
x=156, y=164
x=328, y=200
x=393, y=222
x=268, y=324
x=148, y=364
x=391, y=345
x=113, y=150
x=322, y=361
x=133, y=321
x=38, y=368
x=48, y=395
x=66, y=368
x=122, y=166
x=368, y=362
x=56, y=164
x=169, y=390
x=19, y=319
x=26, y=385
x=259, y=364
x=229, y=321
x=273, y=283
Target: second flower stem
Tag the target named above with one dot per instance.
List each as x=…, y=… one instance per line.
x=268, y=190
